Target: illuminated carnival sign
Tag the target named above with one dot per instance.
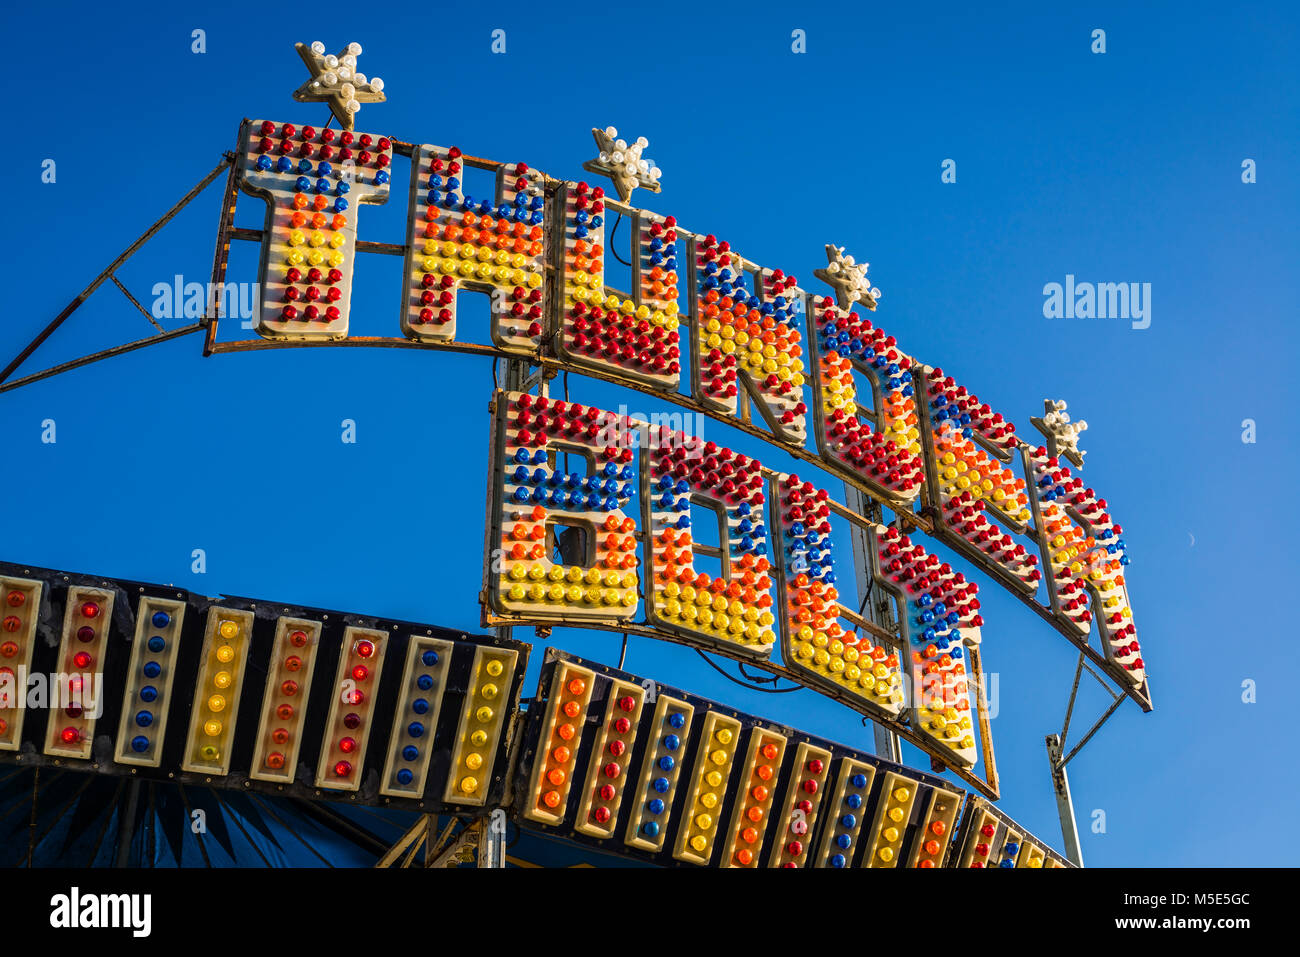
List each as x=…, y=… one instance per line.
x=590, y=512
x=603, y=520
x=600, y=519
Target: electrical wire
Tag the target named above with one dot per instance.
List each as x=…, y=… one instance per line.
x=745, y=684
x=613, y=231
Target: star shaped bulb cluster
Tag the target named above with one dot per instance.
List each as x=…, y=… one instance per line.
x=623, y=163
x=626, y=158
x=340, y=73
x=846, y=274
x=1066, y=432
x=336, y=80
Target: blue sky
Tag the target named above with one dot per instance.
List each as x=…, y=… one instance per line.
x=1117, y=167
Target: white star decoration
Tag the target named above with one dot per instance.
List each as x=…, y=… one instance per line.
x=622, y=163
x=849, y=279
x=335, y=80
x=1062, y=434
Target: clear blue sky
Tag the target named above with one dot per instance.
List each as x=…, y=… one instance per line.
x=1120, y=167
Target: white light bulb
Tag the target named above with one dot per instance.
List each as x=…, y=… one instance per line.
x=616, y=158
x=329, y=79
x=630, y=169
x=332, y=61
x=643, y=166
x=354, y=49
x=642, y=142
x=376, y=84
x=655, y=173
x=349, y=60
x=348, y=90
x=848, y=261
x=354, y=106
x=611, y=132
x=318, y=48
x=604, y=157
x=875, y=293
x=833, y=269
x=358, y=78
x=620, y=144
x=345, y=73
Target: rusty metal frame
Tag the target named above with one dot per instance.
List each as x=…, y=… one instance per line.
x=227, y=161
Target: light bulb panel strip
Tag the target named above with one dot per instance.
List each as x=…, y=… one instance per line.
x=661, y=767
x=893, y=814
x=931, y=844
x=478, y=737
x=982, y=837
x=20, y=610
x=284, y=701
x=846, y=814
x=83, y=646
x=609, y=759
x=806, y=789
x=555, y=767
x=711, y=769
x=751, y=813
x=217, y=691
x=342, y=761
x=412, y=741
x=151, y=675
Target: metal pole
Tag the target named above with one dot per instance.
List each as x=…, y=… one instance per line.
x=492, y=840
x=876, y=609
x=126, y=826
x=1064, y=803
